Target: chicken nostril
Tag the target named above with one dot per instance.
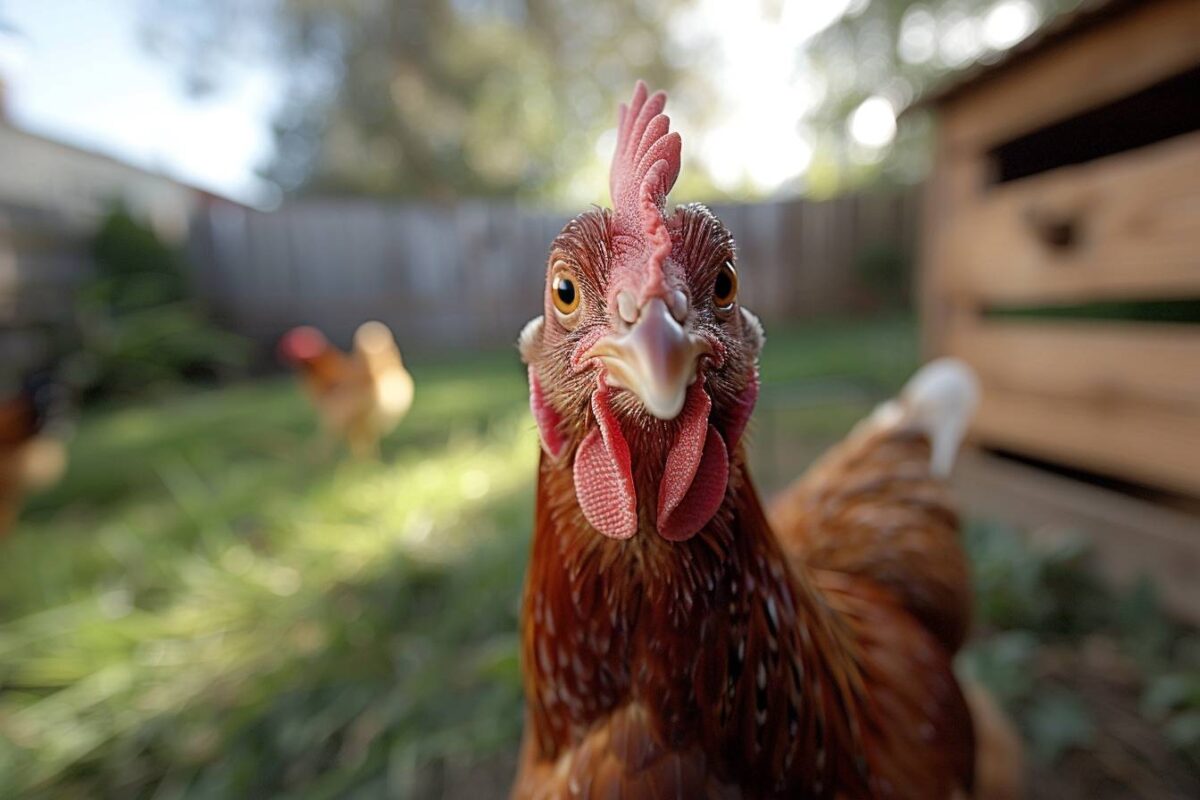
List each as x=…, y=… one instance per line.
x=678, y=303
x=627, y=307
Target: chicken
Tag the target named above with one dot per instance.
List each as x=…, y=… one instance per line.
x=676, y=640
x=361, y=396
x=33, y=455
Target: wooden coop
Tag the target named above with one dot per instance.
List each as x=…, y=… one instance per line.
x=1061, y=258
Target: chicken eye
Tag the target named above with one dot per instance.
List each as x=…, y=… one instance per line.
x=565, y=293
x=725, y=287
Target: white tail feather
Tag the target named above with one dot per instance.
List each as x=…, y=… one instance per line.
x=939, y=400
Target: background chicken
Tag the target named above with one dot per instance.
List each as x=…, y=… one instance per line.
x=676, y=643
x=33, y=454
x=362, y=395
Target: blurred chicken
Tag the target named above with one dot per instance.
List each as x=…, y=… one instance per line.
x=362, y=395
x=33, y=455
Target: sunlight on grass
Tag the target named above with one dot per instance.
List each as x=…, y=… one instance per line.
x=209, y=606
x=197, y=549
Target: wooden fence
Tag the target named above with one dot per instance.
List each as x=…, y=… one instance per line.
x=471, y=274
x=43, y=257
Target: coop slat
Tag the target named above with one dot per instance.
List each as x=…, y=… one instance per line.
x=1134, y=219
x=1150, y=446
x=1110, y=365
x=1148, y=44
x=1118, y=399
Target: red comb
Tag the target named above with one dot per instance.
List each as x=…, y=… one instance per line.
x=302, y=344
x=644, y=168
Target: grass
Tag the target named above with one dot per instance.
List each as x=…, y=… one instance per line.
x=209, y=606
x=207, y=603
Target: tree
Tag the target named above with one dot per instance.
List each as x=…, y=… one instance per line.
x=896, y=50
x=434, y=99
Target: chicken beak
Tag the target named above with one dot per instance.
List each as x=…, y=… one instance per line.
x=656, y=359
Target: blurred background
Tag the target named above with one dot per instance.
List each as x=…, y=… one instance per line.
x=202, y=594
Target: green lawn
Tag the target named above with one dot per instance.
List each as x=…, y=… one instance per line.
x=208, y=605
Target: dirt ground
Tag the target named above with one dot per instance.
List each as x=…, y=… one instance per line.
x=1129, y=757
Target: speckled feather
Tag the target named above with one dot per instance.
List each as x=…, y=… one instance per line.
x=871, y=508
x=723, y=664
x=812, y=660
x=733, y=666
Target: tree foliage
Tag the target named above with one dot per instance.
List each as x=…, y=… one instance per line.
x=434, y=99
x=441, y=99
x=899, y=49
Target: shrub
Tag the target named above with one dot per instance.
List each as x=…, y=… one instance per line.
x=139, y=327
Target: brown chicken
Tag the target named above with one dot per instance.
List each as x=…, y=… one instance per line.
x=32, y=455
x=678, y=642
x=362, y=395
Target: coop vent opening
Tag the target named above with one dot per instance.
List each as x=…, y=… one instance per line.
x=1167, y=109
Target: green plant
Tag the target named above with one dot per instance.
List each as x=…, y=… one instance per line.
x=138, y=326
x=1058, y=647
x=886, y=269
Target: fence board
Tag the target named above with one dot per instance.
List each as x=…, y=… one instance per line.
x=43, y=258
x=469, y=274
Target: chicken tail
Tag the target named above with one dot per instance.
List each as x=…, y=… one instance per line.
x=876, y=506
x=376, y=349
x=939, y=401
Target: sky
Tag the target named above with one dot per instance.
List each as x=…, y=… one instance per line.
x=759, y=76
x=75, y=71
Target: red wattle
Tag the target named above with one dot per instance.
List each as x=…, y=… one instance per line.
x=695, y=476
x=696, y=472
x=604, y=475
x=704, y=495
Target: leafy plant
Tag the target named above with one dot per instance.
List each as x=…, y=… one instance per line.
x=1042, y=609
x=1058, y=721
x=138, y=326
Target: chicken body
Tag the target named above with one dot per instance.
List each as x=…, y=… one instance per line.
x=750, y=661
x=31, y=457
x=676, y=641
x=362, y=395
